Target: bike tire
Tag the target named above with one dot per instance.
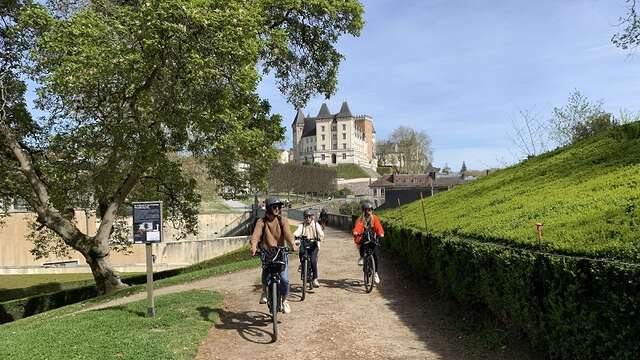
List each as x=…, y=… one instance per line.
x=369, y=265
x=275, y=306
x=305, y=276
x=309, y=275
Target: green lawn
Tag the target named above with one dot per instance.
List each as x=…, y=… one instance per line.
x=123, y=332
x=586, y=195
x=351, y=171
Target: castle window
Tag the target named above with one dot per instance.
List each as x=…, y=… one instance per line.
x=344, y=136
x=323, y=137
x=334, y=146
x=344, y=156
x=322, y=157
x=344, y=146
x=344, y=126
x=322, y=129
x=322, y=146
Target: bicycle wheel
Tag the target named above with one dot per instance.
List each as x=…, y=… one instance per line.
x=275, y=306
x=369, y=266
x=309, y=275
x=305, y=275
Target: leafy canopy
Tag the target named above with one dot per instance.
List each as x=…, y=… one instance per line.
x=128, y=85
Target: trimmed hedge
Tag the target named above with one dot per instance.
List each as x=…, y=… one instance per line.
x=571, y=308
x=22, y=308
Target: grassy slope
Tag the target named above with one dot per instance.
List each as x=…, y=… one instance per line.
x=121, y=332
x=586, y=195
x=351, y=171
x=20, y=286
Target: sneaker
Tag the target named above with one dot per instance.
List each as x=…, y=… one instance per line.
x=316, y=283
x=376, y=278
x=263, y=298
x=361, y=261
x=300, y=268
x=285, y=307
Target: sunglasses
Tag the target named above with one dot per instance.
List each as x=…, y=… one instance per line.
x=278, y=206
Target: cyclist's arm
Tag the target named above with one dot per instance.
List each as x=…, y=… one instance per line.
x=377, y=227
x=255, y=237
x=319, y=232
x=288, y=236
x=298, y=231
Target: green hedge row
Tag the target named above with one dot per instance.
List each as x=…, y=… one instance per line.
x=571, y=308
x=21, y=308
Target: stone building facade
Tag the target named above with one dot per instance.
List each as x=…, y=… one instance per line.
x=332, y=139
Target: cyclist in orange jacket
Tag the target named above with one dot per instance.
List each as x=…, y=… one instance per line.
x=368, y=222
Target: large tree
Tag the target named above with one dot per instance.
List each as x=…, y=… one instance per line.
x=128, y=85
x=407, y=150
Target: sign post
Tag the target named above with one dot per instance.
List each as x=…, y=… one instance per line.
x=147, y=229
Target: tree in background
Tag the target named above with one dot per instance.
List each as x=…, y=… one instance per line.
x=126, y=84
x=577, y=119
x=463, y=169
x=629, y=38
x=529, y=134
x=407, y=150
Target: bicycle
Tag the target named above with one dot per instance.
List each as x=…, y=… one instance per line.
x=369, y=241
x=306, y=247
x=274, y=262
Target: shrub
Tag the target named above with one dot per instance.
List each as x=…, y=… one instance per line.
x=572, y=308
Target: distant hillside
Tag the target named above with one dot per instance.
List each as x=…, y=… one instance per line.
x=351, y=171
x=586, y=195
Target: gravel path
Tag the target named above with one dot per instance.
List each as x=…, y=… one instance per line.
x=336, y=321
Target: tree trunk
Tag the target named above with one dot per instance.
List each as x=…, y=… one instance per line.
x=106, y=277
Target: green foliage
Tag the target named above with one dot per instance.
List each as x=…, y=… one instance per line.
x=351, y=171
x=586, y=195
x=350, y=208
x=385, y=170
x=180, y=324
x=571, y=308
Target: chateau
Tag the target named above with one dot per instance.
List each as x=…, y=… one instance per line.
x=332, y=139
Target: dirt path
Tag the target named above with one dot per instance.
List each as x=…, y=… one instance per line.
x=338, y=320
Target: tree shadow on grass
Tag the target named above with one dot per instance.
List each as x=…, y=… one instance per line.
x=250, y=325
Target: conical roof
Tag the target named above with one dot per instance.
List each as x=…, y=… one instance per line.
x=344, y=110
x=299, y=118
x=324, y=112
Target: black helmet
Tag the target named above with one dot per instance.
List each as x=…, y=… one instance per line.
x=308, y=212
x=367, y=205
x=273, y=201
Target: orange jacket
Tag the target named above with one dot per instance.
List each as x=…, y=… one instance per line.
x=358, y=229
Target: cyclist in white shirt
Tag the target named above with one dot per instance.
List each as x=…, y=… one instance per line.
x=312, y=230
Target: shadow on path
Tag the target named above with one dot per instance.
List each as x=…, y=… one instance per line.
x=413, y=300
x=252, y=326
x=350, y=285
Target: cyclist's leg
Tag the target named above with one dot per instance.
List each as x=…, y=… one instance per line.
x=284, y=279
x=375, y=259
x=361, y=249
x=314, y=262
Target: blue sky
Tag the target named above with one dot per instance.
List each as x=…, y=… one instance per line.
x=461, y=70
